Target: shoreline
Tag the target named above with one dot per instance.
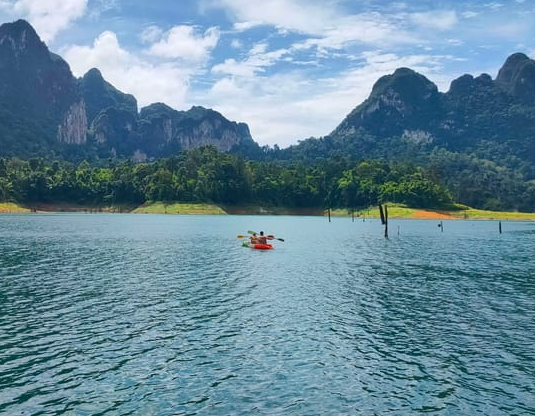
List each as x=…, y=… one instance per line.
x=174, y=208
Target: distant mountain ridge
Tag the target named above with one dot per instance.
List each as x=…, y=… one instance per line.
x=45, y=111
x=405, y=115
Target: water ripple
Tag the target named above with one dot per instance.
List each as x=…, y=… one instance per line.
x=123, y=314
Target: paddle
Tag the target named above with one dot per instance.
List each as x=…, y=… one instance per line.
x=241, y=236
x=269, y=237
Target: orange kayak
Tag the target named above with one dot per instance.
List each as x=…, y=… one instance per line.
x=258, y=246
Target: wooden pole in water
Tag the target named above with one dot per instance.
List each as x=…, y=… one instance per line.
x=500, y=226
x=384, y=218
x=386, y=221
x=381, y=213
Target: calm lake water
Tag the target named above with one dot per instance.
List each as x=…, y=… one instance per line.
x=110, y=314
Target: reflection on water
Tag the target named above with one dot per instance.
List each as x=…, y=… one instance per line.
x=156, y=315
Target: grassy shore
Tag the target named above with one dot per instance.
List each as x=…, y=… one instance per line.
x=394, y=211
x=10, y=207
x=463, y=213
x=178, y=208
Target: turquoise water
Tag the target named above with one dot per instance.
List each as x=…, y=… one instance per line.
x=109, y=314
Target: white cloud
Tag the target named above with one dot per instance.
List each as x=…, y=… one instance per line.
x=493, y=5
x=151, y=34
x=327, y=25
x=365, y=29
x=236, y=44
x=243, y=26
x=469, y=14
x=234, y=68
x=259, y=58
x=105, y=5
x=182, y=42
x=257, y=61
x=147, y=81
x=47, y=17
x=285, y=108
x=454, y=42
x=277, y=110
x=438, y=20
x=302, y=16
x=102, y=6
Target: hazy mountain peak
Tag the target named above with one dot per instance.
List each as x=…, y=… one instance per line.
x=517, y=76
x=94, y=73
x=21, y=38
x=406, y=82
x=510, y=67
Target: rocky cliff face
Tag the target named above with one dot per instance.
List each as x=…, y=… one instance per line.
x=100, y=95
x=37, y=88
x=73, y=129
x=164, y=130
x=402, y=101
x=45, y=111
x=209, y=127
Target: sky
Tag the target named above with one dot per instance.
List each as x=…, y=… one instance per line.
x=290, y=69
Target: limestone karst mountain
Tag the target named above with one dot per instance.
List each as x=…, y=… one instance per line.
x=45, y=111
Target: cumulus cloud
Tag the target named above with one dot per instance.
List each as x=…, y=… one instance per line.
x=277, y=109
x=48, y=17
x=284, y=108
x=147, y=81
x=182, y=42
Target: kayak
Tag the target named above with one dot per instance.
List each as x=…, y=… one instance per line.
x=258, y=246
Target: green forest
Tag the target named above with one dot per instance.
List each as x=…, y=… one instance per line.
x=205, y=175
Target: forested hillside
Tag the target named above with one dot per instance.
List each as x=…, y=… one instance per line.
x=207, y=175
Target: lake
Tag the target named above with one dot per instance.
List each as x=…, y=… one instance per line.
x=112, y=314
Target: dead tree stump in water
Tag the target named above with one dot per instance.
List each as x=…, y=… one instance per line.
x=384, y=218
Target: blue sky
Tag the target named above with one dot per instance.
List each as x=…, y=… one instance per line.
x=290, y=69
